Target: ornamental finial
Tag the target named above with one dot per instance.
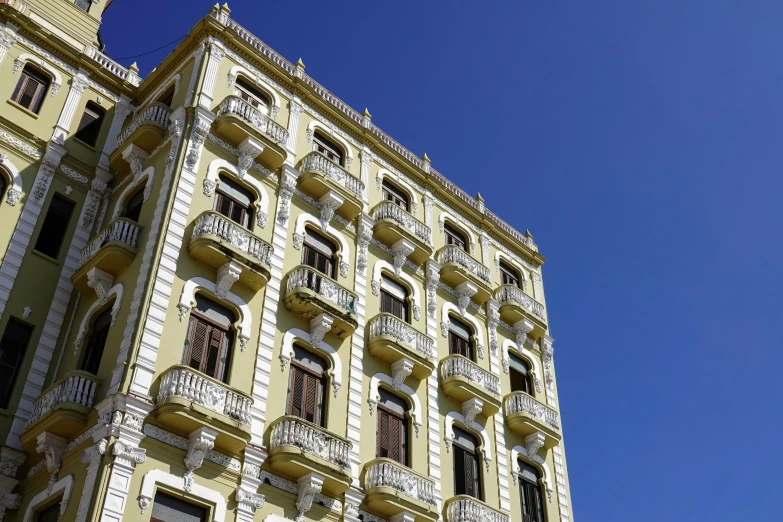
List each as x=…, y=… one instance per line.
x=426, y=158
x=366, y=113
x=225, y=8
x=300, y=63
x=133, y=67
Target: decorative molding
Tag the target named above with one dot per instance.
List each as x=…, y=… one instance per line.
x=319, y=326
x=176, y=441
x=309, y=486
x=227, y=275
x=400, y=370
x=199, y=442
x=52, y=447
x=470, y=409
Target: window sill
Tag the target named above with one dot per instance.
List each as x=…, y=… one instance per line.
x=46, y=257
x=85, y=144
x=23, y=109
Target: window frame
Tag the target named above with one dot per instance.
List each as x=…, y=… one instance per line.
x=99, y=113
x=29, y=330
x=404, y=427
x=455, y=339
x=4, y=184
x=312, y=251
x=398, y=196
x=64, y=225
x=509, y=275
x=128, y=200
x=330, y=148
x=321, y=382
x=528, y=489
x=44, y=81
x=78, y=6
x=526, y=378
x=92, y=353
x=458, y=448
x=222, y=368
x=454, y=236
x=246, y=92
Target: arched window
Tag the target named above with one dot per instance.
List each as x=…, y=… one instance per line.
x=530, y=493
x=392, y=427
x=460, y=342
x=318, y=252
x=93, y=352
x=3, y=185
x=395, y=195
x=90, y=124
x=467, y=469
x=84, y=5
x=394, y=298
x=133, y=206
x=508, y=275
x=251, y=95
x=167, y=98
x=234, y=201
x=307, y=387
x=209, y=339
x=455, y=237
x=519, y=375
x=327, y=147
x=31, y=89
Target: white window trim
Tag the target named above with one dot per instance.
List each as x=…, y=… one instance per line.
x=158, y=476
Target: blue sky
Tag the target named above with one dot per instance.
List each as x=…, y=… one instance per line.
x=640, y=142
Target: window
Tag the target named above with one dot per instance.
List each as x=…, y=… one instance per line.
x=519, y=375
x=55, y=224
x=3, y=186
x=327, y=147
x=90, y=124
x=318, y=253
x=508, y=276
x=133, y=206
x=459, y=339
x=394, y=298
x=167, y=98
x=395, y=195
x=31, y=89
x=467, y=471
x=168, y=508
x=307, y=387
x=392, y=434
x=234, y=202
x=251, y=95
x=530, y=493
x=49, y=514
x=12, y=348
x=97, y=342
x=455, y=237
x=84, y=5
x=209, y=339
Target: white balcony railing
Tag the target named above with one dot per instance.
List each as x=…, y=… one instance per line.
x=390, y=474
x=76, y=388
x=389, y=210
x=185, y=382
x=459, y=366
x=320, y=163
x=214, y=224
x=312, y=439
x=510, y=293
x=311, y=279
x=121, y=230
x=113, y=67
x=467, y=509
x=389, y=325
x=521, y=402
x=454, y=254
x=155, y=114
x=239, y=107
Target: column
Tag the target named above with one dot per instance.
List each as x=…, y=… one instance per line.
x=433, y=413
x=493, y=319
x=296, y=108
x=367, y=159
x=216, y=54
x=79, y=83
x=121, y=111
x=8, y=38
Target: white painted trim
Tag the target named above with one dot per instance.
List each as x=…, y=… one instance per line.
x=158, y=476
x=213, y=171
x=38, y=61
x=448, y=424
x=509, y=345
x=117, y=290
x=287, y=349
x=65, y=485
x=409, y=281
x=535, y=460
x=256, y=79
x=416, y=410
x=188, y=299
x=397, y=180
x=299, y=228
x=456, y=223
x=16, y=178
x=480, y=331
x=331, y=133
x=148, y=174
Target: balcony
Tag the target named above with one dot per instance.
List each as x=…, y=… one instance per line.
x=462, y=380
x=516, y=305
x=217, y=240
x=392, y=488
x=458, y=267
x=112, y=250
x=298, y=447
x=320, y=175
x=146, y=131
x=393, y=223
x=391, y=339
x=188, y=400
x=463, y=508
x=526, y=416
x=62, y=409
x=310, y=293
x=238, y=120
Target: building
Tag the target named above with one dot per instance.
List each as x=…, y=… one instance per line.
x=226, y=295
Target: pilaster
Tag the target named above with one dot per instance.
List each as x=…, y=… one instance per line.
x=295, y=111
x=216, y=54
x=8, y=38
x=247, y=496
x=432, y=272
x=79, y=83
x=121, y=110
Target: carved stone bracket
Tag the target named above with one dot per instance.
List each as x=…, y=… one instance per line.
x=547, y=352
x=400, y=370
x=353, y=499
x=133, y=454
x=493, y=320
x=54, y=153
x=465, y=291
x=287, y=184
x=364, y=230
x=444, y=326
x=249, y=149
x=319, y=326
x=533, y=443
x=405, y=516
x=401, y=250
x=309, y=486
x=199, y=132
x=135, y=156
x=471, y=408
x=330, y=202
x=94, y=452
x=521, y=330
x=298, y=239
x=433, y=279
x=199, y=442
x=227, y=275
x=101, y=282
x=52, y=446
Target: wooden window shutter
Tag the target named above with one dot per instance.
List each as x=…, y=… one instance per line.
x=297, y=392
x=213, y=352
x=470, y=474
x=383, y=434
x=196, y=343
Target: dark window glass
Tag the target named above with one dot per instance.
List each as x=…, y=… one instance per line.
x=392, y=426
x=3, y=186
x=55, y=224
x=12, y=349
x=90, y=124
x=168, y=508
x=49, y=514
x=251, y=95
x=31, y=89
x=327, y=147
x=134, y=205
x=84, y=5
x=209, y=339
x=395, y=195
x=97, y=342
x=318, y=252
x=455, y=237
x=530, y=493
x=234, y=202
x=167, y=98
x=459, y=339
x=467, y=471
x=519, y=375
x=394, y=298
x=307, y=387
x=508, y=276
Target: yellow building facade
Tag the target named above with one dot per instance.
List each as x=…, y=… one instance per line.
x=226, y=295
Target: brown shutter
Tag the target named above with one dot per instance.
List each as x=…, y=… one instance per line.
x=197, y=341
x=311, y=399
x=214, y=347
x=383, y=434
x=297, y=392
x=395, y=442
x=470, y=474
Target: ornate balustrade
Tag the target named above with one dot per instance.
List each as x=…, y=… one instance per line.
x=316, y=161
x=215, y=224
x=386, y=473
x=512, y=294
x=389, y=210
x=189, y=384
x=463, y=508
x=156, y=114
x=329, y=289
x=454, y=254
x=520, y=402
x=121, y=231
x=389, y=325
x=311, y=439
x=113, y=67
x=459, y=366
x=236, y=106
x=75, y=389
